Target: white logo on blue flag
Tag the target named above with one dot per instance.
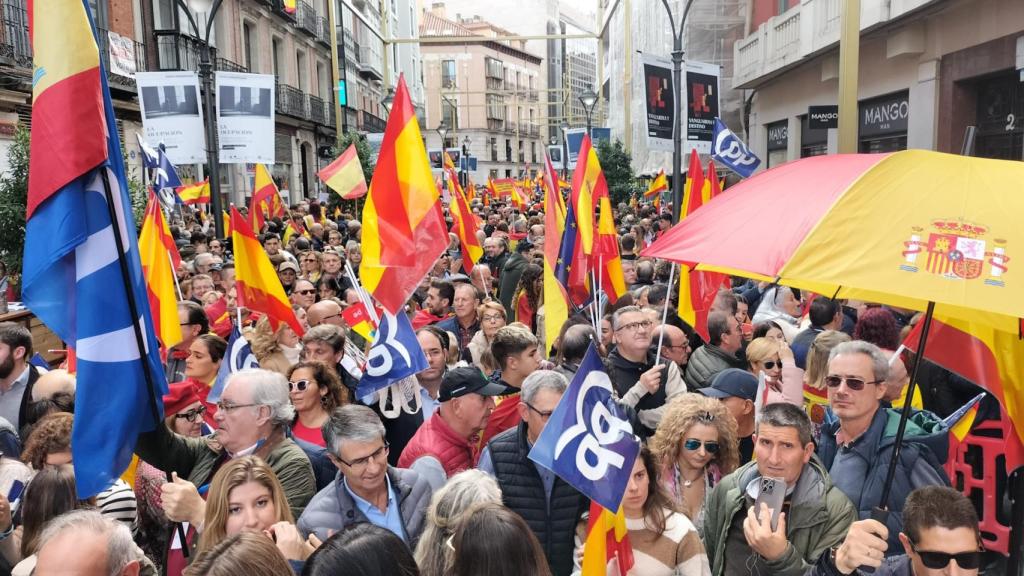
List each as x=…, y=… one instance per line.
x=395, y=354
x=239, y=356
x=728, y=149
x=588, y=441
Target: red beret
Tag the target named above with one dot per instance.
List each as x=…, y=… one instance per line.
x=179, y=396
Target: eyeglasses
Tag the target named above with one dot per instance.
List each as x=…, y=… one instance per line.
x=193, y=415
x=306, y=292
x=851, y=383
x=692, y=444
x=299, y=385
x=359, y=464
x=633, y=326
x=229, y=408
x=492, y=318
x=543, y=414
x=939, y=560
x=771, y=364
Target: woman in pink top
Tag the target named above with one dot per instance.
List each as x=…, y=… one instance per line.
x=315, y=391
x=784, y=381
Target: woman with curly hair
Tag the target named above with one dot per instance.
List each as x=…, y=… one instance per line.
x=315, y=390
x=696, y=446
x=878, y=326
x=528, y=296
x=275, y=350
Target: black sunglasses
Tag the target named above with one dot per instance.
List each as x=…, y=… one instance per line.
x=299, y=385
x=192, y=415
x=306, y=292
x=939, y=560
x=852, y=383
x=770, y=364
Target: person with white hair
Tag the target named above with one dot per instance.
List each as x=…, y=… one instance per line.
x=84, y=543
x=253, y=416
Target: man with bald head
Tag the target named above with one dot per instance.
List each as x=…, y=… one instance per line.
x=324, y=312
x=54, y=382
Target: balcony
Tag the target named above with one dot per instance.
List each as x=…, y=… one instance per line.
x=373, y=123
x=15, y=46
x=175, y=51
x=128, y=55
x=317, y=109
x=292, y=102
x=369, y=63
x=306, y=18
x=323, y=31
x=806, y=30
x=225, y=65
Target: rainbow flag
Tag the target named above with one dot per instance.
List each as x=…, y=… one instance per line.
x=403, y=224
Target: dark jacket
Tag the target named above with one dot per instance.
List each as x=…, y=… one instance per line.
x=625, y=377
x=818, y=518
x=522, y=491
x=705, y=363
x=323, y=469
x=26, y=399
x=925, y=449
x=801, y=345
x=333, y=508
x=891, y=566
x=510, y=276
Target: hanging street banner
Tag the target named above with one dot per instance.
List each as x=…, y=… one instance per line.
x=122, y=55
x=245, y=118
x=661, y=102
x=172, y=114
x=702, y=105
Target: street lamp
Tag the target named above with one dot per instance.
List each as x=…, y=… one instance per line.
x=465, y=161
x=210, y=8
x=677, y=90
x=565, y=150
x=442, y=131
x=589, y=100
x=389, y=100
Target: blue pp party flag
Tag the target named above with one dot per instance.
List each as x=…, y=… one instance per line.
x=588, y=441
x=238, y=356
x=395, y=354
x=728, y=149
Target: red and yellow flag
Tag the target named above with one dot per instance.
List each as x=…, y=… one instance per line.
x=358, y=319
x=227, y=223
x=556, y=307
x=259, y=288
x=658, y=185
x=465, y=224
x=265, y=197
x=588, y=184
x=697, y=290
x=198, y=193
x=607, y=541
x=158, y=253
x=403, y=225
x=345, y=175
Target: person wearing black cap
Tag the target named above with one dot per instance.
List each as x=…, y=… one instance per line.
x=737, y=389
x=450, y=437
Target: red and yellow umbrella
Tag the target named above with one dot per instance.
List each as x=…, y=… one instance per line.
x=905, y=229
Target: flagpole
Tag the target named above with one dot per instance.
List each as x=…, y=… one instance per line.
x=664, y=313
x=140, y=341
x=238, y=314
x=364, y=296
x=174, y=274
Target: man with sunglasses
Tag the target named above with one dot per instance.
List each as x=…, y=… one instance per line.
x=940, y=538
x=857, y=448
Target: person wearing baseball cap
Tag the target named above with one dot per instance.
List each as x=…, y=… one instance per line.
x=737, y=389
x=450, y=438
x=288, y=272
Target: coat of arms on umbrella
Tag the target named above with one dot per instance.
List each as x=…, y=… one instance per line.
x=957, y=250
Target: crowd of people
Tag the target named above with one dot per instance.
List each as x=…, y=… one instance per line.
x=291, y=471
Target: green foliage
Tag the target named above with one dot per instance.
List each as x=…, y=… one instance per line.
x=136, y=190
x=616, y=164
x=363, y=151
x=13, y=198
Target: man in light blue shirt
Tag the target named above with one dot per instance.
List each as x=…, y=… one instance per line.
x=388, y=518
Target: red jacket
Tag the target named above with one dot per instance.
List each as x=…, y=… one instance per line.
x=505, y=416
x=436, y=438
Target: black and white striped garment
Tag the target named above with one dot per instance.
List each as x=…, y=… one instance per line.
x=118, y=503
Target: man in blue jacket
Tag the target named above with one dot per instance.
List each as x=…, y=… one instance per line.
x=857, y=448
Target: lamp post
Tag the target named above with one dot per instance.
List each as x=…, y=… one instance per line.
x=465, y=161
x=206, y=76
x=388, y=100
x=442, y=131
x=565, y=151
x=677, y=91
x=589, y=100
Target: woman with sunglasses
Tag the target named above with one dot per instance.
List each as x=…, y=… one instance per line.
x=310, y=263
x=183, y=415
x=696, y=446
x=315, y=391
x=492, y=318
x=781, y=375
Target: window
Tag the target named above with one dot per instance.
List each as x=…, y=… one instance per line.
x=493, y=147
x=301, y=71
x=533, y=152
x=508, y=150
x=322, y=82
x=522, y=152
x=449, y=113
x=494, y=68
x=250, y=42
x=163, y=15
x=783, y=6
x=448, y=74
x=495, y=107
x=276, y=53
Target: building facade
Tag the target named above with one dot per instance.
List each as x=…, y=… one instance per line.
x=928, y=70
x=487, y=93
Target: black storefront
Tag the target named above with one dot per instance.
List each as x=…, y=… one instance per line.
x=883, y=123
x=1000, y=117
x=813, y=141
x=778, y=142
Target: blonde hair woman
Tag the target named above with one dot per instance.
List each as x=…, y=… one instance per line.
x=245, y=496
x=492, y=318
x=275, y=350
x=815, y=391
x=447, y=507
x=696, y=446
x=782, y=377
x=243, y=553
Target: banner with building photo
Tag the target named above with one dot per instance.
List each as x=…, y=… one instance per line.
x=702, y=105
x=660, y=101
x=172, y=114
x=245, y=118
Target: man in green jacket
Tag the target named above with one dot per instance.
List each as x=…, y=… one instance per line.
x=814, y=517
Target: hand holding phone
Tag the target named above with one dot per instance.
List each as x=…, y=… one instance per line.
x=772, y=493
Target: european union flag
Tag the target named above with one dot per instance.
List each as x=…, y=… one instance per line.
x=395, y=354
x=588, y=441
x=239, y=356
x=728, y=149
x=568, y=247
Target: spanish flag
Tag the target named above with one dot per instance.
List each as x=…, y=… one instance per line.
x=227, y=223
x=159, y=256
x=586, y=183
x=289, y=6
x=556, y=307
x=258, y=286
x=607, y=543
x=198, y=193
x=403, y=225
x=606, y=248
x=345, y=175
x=697, y=290
x=358, y=319
x=465, y=224
x=658, y=185
x=265, y=197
